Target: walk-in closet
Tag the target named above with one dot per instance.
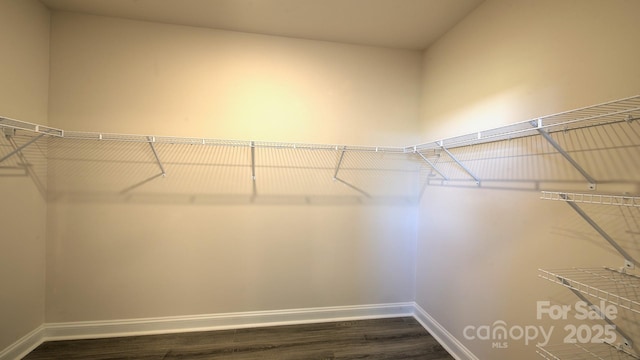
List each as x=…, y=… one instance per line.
x=302, y=179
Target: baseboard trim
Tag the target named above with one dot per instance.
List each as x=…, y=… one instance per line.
x=173, y=324
x=25, y=345
x=444, y=337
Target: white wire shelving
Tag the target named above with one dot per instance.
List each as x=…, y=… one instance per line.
x=613, y=286
x=599, y=199
x=623, y=110
x=454, y=167
x=590, y=351
x=10, y=123
x=79, y=135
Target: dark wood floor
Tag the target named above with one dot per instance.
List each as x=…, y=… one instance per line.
x=397, y=338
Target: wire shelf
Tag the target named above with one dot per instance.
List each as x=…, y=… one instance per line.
x=599, y=199
x=602, y=351
x=78, y=135
x=623, y=110
x=613, y=286
x=23, y=125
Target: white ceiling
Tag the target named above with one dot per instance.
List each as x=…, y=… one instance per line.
x=408, y=24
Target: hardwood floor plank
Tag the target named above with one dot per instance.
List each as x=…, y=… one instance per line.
x=384, y=339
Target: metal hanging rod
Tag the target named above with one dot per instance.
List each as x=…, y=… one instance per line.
x=617, y=111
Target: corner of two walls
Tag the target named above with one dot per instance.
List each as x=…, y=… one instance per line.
x=479, y=248
x=24, y=75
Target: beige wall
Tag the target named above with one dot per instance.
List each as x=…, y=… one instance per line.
x=125, y=76
x=192, y=243
x=479, y=249
x=24, y=75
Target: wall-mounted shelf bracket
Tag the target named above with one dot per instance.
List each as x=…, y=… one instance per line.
x=336, y=178
x=254, y=188
x=626, y=340
x=155, y=154
x=538, y=125
x=8, y=132
x=433, y=166
x=441, y=144
x=630, y=262
x=366, y=194
x=253, y=161
x=335, y=174
x=21, y=147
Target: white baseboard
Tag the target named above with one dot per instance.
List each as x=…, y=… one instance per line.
x=24, y=346
x=444, y=337
x=148, y=326
x=173, y=324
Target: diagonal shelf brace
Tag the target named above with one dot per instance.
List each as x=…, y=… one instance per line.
x=466, y=169
x=28, y=169
x=630, y=261
x=433, y=166
x=626, y=339
x=366, y=194
x=155, y=154
x=336, y=178
x=253, y=161
x=538, y=125
x=335, y=174
x=22, y=147
x=253, y=170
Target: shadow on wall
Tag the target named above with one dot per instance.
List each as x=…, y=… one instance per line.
x=609, y=153
x=117, y=171
x=129, y=172
x=24, y=157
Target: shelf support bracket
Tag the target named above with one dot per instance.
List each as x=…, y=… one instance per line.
x=630, y=262
x=335, y=174
x=253, y=170
x=538, y=125
x=21, y=147
x=155, y=154
x=366, y=194
x=336, y=178
x=459, y=163
x=433, y=166
x=253, y=161
x=626, y=340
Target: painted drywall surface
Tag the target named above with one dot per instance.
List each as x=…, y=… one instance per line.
x=479, y=249
x=181, y=260
x=24, y=75
x=169, y=80
x=197, y=241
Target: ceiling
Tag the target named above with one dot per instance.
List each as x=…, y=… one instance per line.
x=406, y=24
